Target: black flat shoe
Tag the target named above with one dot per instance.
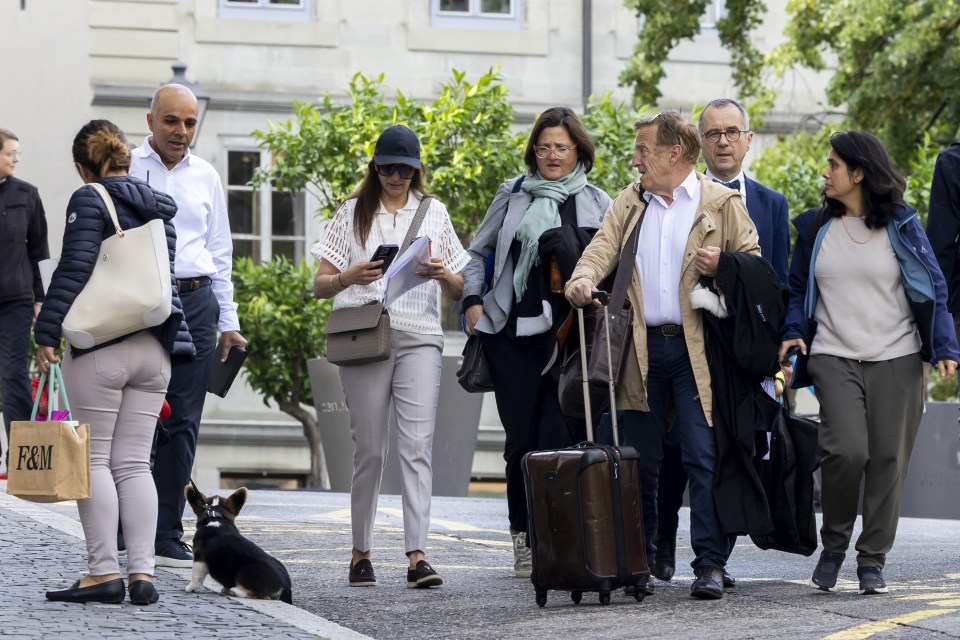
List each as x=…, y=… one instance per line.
x=112, y=592
x=143, y=592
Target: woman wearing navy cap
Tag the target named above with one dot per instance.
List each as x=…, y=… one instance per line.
x=380, y=212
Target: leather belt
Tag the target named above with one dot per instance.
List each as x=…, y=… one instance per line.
x=192, y=284
x=667, y=330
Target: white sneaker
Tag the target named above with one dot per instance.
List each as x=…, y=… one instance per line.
x=522, y=557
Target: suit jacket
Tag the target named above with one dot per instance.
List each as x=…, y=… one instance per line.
x=943, y=220
x=768, y=210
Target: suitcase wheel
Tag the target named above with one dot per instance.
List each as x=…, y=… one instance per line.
x=576, y=596
x=541, y=598
x=604, y=597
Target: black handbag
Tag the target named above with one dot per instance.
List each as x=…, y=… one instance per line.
x=474, y=375
x=620, y=315
x=785, y=467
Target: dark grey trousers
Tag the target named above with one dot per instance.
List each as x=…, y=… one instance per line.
x=869, y=417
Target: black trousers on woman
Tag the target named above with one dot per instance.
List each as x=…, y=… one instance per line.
x=529, y=409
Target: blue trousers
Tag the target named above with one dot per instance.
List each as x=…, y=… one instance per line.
x=671, y=386
x=189, y=380
x=16, y=320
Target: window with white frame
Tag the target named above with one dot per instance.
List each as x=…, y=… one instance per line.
x=264, y=222
x=289, y=10
x=477, y=14
x=715, y=10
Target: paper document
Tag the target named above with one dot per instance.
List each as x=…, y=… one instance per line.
x=402, y=274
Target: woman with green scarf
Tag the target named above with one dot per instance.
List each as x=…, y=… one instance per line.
x=538, y=223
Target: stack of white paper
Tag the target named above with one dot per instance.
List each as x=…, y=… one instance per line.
x=402, y=276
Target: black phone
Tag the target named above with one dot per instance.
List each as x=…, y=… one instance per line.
x=792, y=351
x=385, y=252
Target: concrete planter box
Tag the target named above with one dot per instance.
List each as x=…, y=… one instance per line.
x=454, y=440
x=932, y=489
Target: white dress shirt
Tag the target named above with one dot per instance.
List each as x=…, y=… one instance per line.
x=204, y=243
x=417, y=311
x=663, y=239
x=743, y=183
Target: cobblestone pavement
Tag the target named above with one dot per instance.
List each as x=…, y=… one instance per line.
x=42, y=548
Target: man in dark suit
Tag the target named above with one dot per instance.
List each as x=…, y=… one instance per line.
x=726, y=138
x=943, y=223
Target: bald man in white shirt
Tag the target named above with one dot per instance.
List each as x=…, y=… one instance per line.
x=203, y=265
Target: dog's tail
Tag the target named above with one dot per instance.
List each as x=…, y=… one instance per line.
x=286, y=596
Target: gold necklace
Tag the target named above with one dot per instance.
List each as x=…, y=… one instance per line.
x=843, y=219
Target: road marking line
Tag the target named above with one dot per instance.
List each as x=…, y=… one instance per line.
x=871, y=628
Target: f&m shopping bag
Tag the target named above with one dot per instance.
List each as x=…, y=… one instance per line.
x=49, y=459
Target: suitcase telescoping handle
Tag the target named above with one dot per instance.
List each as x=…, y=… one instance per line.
x=604, y=299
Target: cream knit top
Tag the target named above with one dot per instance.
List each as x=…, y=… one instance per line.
x=417, y=311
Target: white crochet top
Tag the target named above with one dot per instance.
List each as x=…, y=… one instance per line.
x=417, y=311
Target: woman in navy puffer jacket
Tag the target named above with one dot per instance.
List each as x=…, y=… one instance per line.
x=116, y=387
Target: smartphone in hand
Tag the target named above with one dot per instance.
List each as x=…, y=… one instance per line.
x=385, y=252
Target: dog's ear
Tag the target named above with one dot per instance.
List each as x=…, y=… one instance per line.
x=195, y=499
x=236, y=501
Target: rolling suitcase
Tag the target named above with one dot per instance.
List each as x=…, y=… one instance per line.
x=586, y=522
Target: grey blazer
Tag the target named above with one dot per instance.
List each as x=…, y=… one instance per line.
x=496, y=233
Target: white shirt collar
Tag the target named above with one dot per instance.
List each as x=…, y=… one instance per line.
x=740, y=176
x=146, y=150
x=688, y=187
x=412, y=203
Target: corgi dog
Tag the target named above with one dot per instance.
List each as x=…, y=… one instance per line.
x=240, y=566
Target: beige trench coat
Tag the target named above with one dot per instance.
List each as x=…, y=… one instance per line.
x=721, y=221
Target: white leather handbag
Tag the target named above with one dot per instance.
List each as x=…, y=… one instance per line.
x=129, y=288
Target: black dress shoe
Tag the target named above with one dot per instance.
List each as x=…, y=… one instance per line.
x=665, y=563
x=729, y=582
x=708, y=584
x=112, y=591
x=143, y=592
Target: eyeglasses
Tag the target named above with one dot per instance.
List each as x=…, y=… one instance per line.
x=732, y=135
x=16, y=153
x=543, y=151
x=386, y=170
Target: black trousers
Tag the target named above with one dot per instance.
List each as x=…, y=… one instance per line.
x=529, y=409
x=16, y=320
x=189, y=380
x=671, y=485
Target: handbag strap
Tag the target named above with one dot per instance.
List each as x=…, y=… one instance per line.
x=55, y=377
x=415, y=223
x=625, y=268
x=107, y=200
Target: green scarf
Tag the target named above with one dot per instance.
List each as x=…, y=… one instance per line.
x=542, y=214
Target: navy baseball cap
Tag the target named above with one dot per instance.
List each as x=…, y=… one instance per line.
x=398, y=145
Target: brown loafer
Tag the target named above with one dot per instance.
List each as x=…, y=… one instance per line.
x=361, y=574
x=423, y=576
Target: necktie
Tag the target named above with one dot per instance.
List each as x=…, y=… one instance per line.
x=733, y=184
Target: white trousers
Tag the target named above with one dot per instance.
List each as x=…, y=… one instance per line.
x=407, y=384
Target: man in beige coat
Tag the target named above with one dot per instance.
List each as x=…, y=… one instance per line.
x=687, y=220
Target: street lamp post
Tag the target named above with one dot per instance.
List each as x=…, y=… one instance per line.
x=203, y=98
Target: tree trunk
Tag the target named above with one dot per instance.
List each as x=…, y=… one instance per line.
x=319, y=478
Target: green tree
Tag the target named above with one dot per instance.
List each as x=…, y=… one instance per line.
x=665, y=24
x=468, y=145
x=611, y=127
x=897, y=64
x=284, y=324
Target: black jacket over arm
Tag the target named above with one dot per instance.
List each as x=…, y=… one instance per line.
x=741, y=352
x=88, y=225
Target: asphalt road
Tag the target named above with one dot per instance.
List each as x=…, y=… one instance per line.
x=480, y=599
